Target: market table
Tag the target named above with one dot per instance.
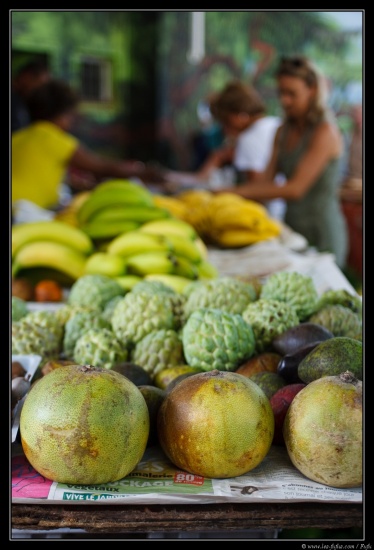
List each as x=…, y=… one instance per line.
x=104, y=519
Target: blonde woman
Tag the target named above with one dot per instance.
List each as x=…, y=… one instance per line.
x=307, y=151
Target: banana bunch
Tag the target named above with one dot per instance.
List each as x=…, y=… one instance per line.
x=68, y=214
x=50, y=245
x=169, y=248
x=116, y=206
x=226, y=219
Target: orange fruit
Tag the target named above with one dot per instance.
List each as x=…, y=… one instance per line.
x=216, y=424
x=48, y=290
x=84, y=425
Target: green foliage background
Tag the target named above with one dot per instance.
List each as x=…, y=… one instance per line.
x=156, y=90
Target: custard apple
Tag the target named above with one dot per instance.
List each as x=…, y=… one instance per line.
x=226, y=293
x=49, y=321
x=152, y=286
x=342, y=297
x=19, y=308
x=294, y=288
x=216, y=339
x=339, y=320
x=99, y=347
x=32, y=338
x=64, y=313
x=158, y=350
x=94, y=290
x=77, y=325
x=139, y=313
x=268, y=319
x=109, y=308
x=157, y=287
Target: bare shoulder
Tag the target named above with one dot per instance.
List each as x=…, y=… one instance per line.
x=327, y=134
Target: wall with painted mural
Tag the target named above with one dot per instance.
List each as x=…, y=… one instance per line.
x=248, y=45
x=146, y=75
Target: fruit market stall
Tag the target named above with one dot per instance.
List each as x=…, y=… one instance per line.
x=163, y=330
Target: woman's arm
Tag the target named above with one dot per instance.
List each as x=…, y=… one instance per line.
x=216, y=159
x=84, y=159
x=325, y=145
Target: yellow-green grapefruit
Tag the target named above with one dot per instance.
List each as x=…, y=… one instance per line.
x=216, y=424
x=84, y=425
x=322, y=430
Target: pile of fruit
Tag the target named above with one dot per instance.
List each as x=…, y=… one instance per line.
x=225, y=220
x=116, y=230
x=227, y=366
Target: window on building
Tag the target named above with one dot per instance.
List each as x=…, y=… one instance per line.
x=96, y=79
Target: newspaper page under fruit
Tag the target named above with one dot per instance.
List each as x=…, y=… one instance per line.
x=156, y=480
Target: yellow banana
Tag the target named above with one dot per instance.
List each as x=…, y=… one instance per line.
x=170, y=226
x=150, y=262
x=175, y=206
x=109, y=229
x=136, y=242
x=103, y=263
x=184, y=268
x=195, y=197
x=176, y=282
x=119, y=195
x=50, y=254
x=69, y=213
x=234, y=238
x=50, y=230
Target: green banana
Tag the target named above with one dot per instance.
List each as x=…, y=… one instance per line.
x=50, y=230
x=128, y=281
x=137, y=213
x=151, y=262
x=101, y=198
x=122, y=184
x=206, y=270
x=105, y=264
x=184, y=268
x=176, y=282
x=170, y=226
x=135, y=242
x=183, y=246
x=109, y=229
x=55, y=255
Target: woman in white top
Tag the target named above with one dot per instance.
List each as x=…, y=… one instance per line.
x=250, y=136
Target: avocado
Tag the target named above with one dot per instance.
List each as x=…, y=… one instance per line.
x=289, y=363
x=153, y=397
x=298, y=336
x=133, y=372
x=331, y=358
x=269, y=382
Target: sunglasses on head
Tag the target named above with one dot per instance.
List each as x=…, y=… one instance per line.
x=296, y=62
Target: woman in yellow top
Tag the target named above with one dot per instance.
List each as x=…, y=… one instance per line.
x=44, y=151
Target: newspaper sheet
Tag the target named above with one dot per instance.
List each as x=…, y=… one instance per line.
x=156, y=480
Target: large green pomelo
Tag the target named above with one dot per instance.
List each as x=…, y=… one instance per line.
x=322, y=430
x=84, y=425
